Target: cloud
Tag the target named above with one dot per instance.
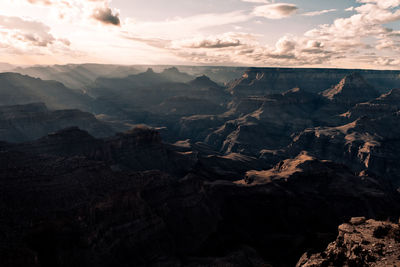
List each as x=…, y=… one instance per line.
x=154, y=42
x=382, y=3
x=275, y=11
x=354, y=38
x=212, y=42
x=285, y=45
x=317, y=13
x=106, y=16
x=181, y=27
x=239, y=48
x=361, y=38
x=44, y=2
x=347, y=42
x=26, y=38
x=257, y=1
x=82, y=10
x=33, y=32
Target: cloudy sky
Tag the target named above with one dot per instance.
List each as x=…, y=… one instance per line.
x=300, y=33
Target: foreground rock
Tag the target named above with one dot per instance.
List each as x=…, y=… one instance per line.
x=360, y=243
x=69, y=199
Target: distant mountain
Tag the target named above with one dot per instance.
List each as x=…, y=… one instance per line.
x=262, y=81
x=162, y=93
x=28, y=122
x=19, y=89
x=4, y=67
x=351, y=89
x=174, y=75
x=203, y=82
x=144, y=79
x=77, y=76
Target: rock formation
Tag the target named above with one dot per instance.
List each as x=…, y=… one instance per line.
x=351, y=90
x=360, y=242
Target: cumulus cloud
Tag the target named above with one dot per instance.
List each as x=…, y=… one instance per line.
x=106, y=16
x=228, y=40
x=347, y=42
x=275, y=11
x=382, y=3
x=317, y=13
x=242, y=48
x=20, y=36
x=29, y=31
x=98, y=10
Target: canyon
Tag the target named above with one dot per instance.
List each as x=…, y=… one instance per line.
x=199, y=166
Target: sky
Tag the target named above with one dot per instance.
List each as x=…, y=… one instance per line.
x=291, y=33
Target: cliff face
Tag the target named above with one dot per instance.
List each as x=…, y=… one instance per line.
x=269, y=126
x=351, y=90
x=366, y=143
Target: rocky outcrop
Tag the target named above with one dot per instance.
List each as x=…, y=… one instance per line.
x=28, y=122
x=360, y=242
x=351, y=90
x=296, y=205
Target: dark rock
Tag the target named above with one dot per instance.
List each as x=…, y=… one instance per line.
x=360, y=247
